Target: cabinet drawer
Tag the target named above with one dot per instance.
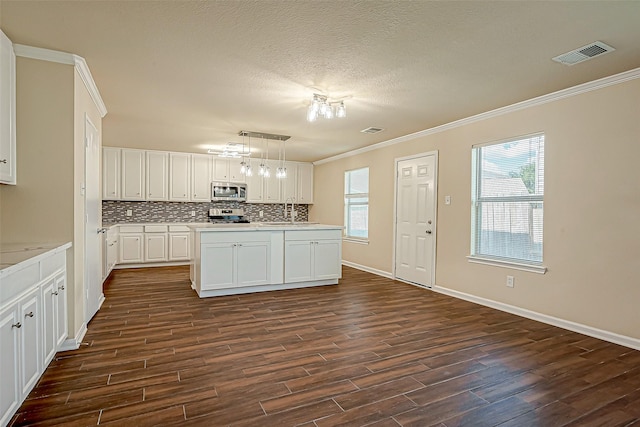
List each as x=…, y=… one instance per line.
x=131, y=229
x=18, y=281
x=236, y=236
x=312, y=235
x=155, y=228
x=180, y=228
x=52, y=264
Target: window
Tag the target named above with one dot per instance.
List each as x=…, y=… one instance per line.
x=356, y=203
x=507, y=201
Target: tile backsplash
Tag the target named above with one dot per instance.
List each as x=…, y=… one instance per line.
x=115, y=211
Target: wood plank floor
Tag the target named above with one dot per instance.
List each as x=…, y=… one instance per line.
x=369, y=351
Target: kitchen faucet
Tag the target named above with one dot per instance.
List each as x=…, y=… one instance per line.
x=293, y=211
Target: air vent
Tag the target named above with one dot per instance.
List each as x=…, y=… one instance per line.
x=371, y=130
x=583, y=53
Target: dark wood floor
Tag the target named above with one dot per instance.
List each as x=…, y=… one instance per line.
x=369, y=351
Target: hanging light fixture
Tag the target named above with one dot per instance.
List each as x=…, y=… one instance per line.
x=267, y=169
x=281, y=171
x=322, y=106
x=245, y=164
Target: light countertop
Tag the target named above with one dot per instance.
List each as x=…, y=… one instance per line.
x=263, y=226
x=14, y=256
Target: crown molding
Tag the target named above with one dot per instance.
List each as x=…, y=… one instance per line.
x=544, y=99
x=68, y=59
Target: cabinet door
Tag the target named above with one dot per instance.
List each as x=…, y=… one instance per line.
x=155, y=248
x=234, y=171
x=133, y=174
x=220, y=169
x=272, y=185
x=298, y=261
x=111, y=173
x=178, y=246
x=201, y=177
x=61, y=312
x=255, y=188
x=30, y=341
x=305, y=183
x=49, y=314
x=112, y=251
x=218, y=261
x=290, y=183
x=157, y=180
x=7, y=111
x=254, y=261
x=179, y=177
x=326, y=259
x=9, y=370
x=131, y=247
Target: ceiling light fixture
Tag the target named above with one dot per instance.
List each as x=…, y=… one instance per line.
x=322, y=106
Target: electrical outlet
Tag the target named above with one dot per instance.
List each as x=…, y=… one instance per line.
x=261, y=214
x=193, y=213
x=510, y=281
x=129, y=212
x=447, y=200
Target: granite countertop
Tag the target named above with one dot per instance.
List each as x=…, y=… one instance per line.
x=263, y=226
x=14, y=256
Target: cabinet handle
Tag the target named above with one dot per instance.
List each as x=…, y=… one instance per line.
x=61, y=288
x=29, y=314
x=17, y=325
x=239, y=244
x=3, y=161
x=54, y=293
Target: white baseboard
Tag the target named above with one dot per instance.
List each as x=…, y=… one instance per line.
x=544, y=318
x=74, y=343
x=624, y=340
x=375, y=271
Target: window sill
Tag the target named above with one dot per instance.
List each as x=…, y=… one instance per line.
x=356, y=240
x=539, y=269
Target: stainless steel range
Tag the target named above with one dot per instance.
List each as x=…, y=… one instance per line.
x=227, y=216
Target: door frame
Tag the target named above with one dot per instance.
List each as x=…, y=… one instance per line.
x=435, y=214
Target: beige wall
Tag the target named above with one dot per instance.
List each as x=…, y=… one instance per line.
x=592, y=208
x=47, y=205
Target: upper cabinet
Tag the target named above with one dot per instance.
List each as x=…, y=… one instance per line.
x=130, y=174
x=7, y=111
x=133, y=175
x=201, y=177
x=157, y=175
x=179, y=177
x=111, y=173
x=305, y=183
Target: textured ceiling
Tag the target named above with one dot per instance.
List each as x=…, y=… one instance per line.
x=187, y=75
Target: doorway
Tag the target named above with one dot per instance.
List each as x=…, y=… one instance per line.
x=415, y=219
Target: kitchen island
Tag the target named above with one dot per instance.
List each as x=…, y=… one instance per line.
x=230, y=259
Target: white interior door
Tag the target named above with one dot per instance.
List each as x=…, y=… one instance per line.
x=93, y=226
x=415, y=220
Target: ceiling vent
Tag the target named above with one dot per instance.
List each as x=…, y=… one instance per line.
x=371, y=130
x=583, y=53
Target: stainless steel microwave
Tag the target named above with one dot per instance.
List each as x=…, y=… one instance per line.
x=228, y=191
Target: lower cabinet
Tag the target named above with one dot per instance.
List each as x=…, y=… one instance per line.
x=160, y=243
x=235, y=264
x=312, y=255
x=131, y=247
x=179, y=246
x=110, y=254
x=33, y=326
x=155, y=247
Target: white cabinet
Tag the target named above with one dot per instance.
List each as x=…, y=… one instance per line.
x=179, y=177
x=179, y=243
x=312, y=255
x=305, y=183
x=236, y=260
x=110, y=251
x=227, y=170
x=133, y=174
x=201, y=177
x=155, y=245
x=290, y=183
x=131, y=244
x=273, y=184
x=7, y=111
x=255, y=187
x=111, y=173
x=10, y=397
x=33, y=325
x=157, y=180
